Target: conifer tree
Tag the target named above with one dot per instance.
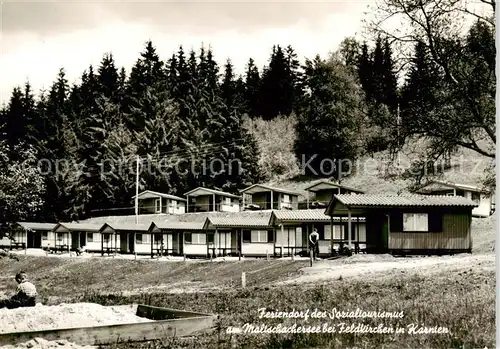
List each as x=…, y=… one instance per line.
x=252, y=88
x=279, y=83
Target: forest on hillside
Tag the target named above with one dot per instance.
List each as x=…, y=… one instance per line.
x=72, y=151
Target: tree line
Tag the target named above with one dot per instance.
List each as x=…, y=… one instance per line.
x=181, y=113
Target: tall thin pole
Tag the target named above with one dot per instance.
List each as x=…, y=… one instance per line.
x=137, y=191
x=398, y=121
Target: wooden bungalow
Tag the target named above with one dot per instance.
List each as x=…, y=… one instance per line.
x=71, y=236
x=27, y=235
x=210, y=200
x=178, y=238
x=293, y=229
x=123, y=238
x=322, y=193
x=264, y=197
x=417, y=224
x=152, y=202
x=241, y=235
x=485, y=201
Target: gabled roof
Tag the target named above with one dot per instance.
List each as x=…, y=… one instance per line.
x=68, y=227
x=440, y=185
x=37, y=226
x=259, y=188
x=315, y=215
x=184, y=226
x=154, y=194
x=206, y=191
x=324, y=184
x=239, y=222
x=349, y=201
x=301, y=215
x=124, y=227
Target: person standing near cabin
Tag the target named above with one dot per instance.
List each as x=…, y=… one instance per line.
x=25, y=295
x=314, y=238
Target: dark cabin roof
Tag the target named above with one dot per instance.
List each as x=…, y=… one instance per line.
x=200, y=191
x=261, y=188
x=154, y=194
x=357, y=201
x=324, y=184
x=37, y=226
x=442, y=185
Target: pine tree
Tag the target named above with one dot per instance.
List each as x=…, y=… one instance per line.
x=365, y=72
x=252, y=88
x=419, y=91
x=108, y=79
x=55, y=122
x=390, y=84
x=279, y=83
x=378, y=74
x=146, y=75
x=15, y=125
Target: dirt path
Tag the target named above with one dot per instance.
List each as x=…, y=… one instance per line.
x=381, y=266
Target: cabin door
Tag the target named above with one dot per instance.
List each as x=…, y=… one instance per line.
x=131, y=238
x=385, y=236
x=83, y=239
x=181, y=243
x=124, y=238
x=31, y=239
x=75, y=240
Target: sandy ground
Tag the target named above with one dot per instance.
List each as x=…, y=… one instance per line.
x=360, y=266
x=40, y=343
x=74, y=315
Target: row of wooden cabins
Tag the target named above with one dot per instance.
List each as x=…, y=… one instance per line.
x=371, y=223
x=265, y=197
x=255, y=197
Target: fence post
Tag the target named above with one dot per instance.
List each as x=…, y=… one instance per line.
x=239, y=255
x=184, y=257
x=267, y=255
x=311, y=257
x=243, y=279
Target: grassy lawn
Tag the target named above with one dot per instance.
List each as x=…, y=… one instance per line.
x=463, y=303
x=460, y=298
x=62, y=277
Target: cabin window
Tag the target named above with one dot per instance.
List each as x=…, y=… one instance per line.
x=328, y=232
x=60, y=236
x=270, y=235
x=415, y=222
x=247, y=236
x=227, y=201
x=286, y=198
x=210, y=238
x=158, y=238
x=90, y=237
x=337, y=232
x=259, y=236
x=157, y=206
x=195, y=238
x=476, y=197
x=353, y=231
x=138, y=238
x=45, y=236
